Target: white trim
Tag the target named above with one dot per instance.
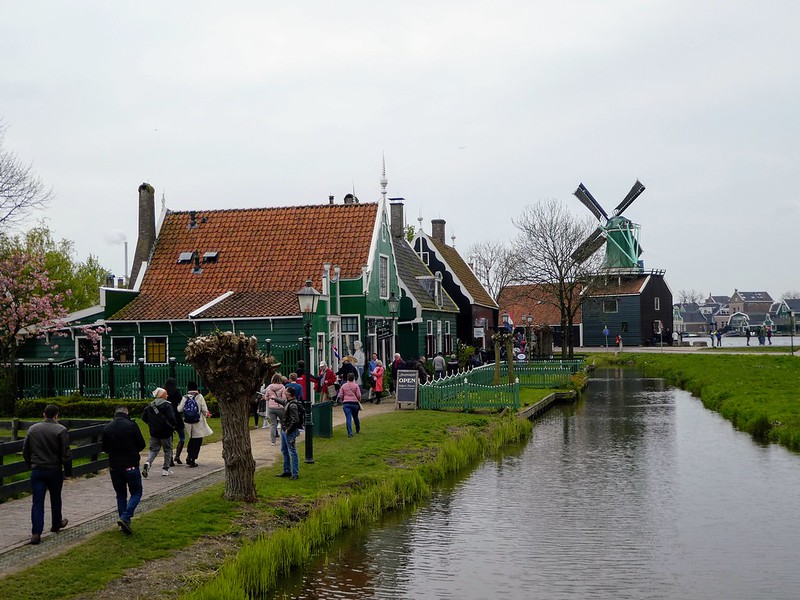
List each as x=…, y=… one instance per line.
x=208, y=305
x=140, y=276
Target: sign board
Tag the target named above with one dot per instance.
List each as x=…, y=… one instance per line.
x=407, y=384
x=477, y=332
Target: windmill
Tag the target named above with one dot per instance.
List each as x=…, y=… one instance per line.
x=619, y=234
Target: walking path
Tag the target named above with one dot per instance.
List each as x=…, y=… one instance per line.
x=90, y=503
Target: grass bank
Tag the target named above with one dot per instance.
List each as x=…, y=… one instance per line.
x=759, y=394
x=392, y=462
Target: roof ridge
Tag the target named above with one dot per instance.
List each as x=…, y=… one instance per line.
x=267, y=208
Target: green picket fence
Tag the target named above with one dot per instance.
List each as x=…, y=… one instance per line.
x=540, y=374
x=460, y=394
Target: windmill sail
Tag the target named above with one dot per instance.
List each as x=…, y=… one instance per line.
x=589, y=202
x=589, y=246
x=635, y=192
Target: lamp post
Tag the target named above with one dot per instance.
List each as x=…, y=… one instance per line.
x=791, y=329
x=307, y=298
x=529, y=349
x=394, y=305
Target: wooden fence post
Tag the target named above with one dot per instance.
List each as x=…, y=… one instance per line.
x=81, y=376
x=142, y=391
x=51, y=378
x=20, y=379
x=172, y=368
x=112, y=380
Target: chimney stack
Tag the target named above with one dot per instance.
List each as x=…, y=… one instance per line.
x=147, y=230
x=330, y=199
x=120, y=282
x=109, y=280
x=396, y=213
x=437, y=230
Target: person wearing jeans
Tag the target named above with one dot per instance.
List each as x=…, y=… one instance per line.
x=350, y=397
x=123, y=441
x=45, y=451
x=291, y=426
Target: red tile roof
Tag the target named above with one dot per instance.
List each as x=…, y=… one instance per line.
x=265, y=256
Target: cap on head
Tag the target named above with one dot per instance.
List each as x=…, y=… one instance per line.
x=159, y=393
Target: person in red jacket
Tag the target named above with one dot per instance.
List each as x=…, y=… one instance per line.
x=377, y=381
x=327, y=382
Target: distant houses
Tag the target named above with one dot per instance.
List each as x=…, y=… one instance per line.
x=736, y=313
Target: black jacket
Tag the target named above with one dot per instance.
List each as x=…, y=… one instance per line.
x=346, y=369
x=291, y=420
x=175, y=399
x=122, y=441
x=47, y=447
x=160, y=417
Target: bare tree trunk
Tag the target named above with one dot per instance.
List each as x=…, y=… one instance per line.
x=237, y=451
x=497, y=362
x=510, y=357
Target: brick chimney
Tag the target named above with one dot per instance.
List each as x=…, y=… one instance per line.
x=437, y=230
x=396, y=213
x=147, y=230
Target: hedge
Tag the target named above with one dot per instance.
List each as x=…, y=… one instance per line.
x=78, y=407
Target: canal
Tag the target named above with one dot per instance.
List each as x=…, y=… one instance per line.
x=635, y=492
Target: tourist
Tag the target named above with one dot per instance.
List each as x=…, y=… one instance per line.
x=747, y=334
x=619, y=343
x=370, y=369
x=397, y=364
x=346, y=369
x=719, y=338
x=275, y=395
x=45, y=452
x=327, y=382
x=769, y=335
x=123, y=441
x=377, y=381
x=350, y=397
x=675, y=338
x=439, y=366
x=452, y=365
x=290, y=429
x=160, y=418
x=195, y=412
x=174, y=396
x=299, y=391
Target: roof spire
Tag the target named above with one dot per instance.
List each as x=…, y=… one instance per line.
x=384, y=182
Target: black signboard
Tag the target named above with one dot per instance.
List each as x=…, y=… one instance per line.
x=407, y=382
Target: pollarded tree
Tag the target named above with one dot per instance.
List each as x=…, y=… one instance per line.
x=548, y=236
x=234, y=368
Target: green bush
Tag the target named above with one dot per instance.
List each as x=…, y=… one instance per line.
x=76, y=406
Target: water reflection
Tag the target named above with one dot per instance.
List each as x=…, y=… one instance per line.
x=635, y=492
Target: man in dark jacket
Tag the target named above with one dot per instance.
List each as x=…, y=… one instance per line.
x=160, y=418
x=123, y=441
x=291, y=425
x=45, y=451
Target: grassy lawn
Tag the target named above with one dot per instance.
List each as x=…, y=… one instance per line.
x=759, y=394
x=394, y=452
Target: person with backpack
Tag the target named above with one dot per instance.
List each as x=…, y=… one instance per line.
x=195, y=412
x=291, y=426
x=174, y=396
x=160, y=418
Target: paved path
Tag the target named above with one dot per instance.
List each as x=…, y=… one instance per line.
x=90, y=503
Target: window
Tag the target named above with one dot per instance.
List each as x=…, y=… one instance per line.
x=448, y=340
x=439, y=347
x=657, y=303
x=430, y=341
x=438, y=290
x=122, y=349
x=610, y=306
x=384, y=276
x=623, y=326
x=349, y=335
x=425, y=258
x=155, y=350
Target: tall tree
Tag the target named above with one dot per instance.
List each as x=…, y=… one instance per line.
x=494, y=264
x=21, y=190
x=234, y=368
x=548, y=235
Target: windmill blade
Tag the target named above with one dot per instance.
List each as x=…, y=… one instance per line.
x=589, y=202
x=635, y=192
x=589, y=246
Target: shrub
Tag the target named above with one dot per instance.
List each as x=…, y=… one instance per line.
x=76, y=406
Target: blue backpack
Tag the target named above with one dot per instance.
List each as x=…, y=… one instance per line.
x=191, y=411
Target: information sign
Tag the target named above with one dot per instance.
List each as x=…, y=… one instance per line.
x=407, y=383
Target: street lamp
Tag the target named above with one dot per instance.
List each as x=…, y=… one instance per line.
x=791, y=329
x=307, y=298
x=529, y=349
x=394, y=305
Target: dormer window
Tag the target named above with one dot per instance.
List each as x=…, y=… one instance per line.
x=210, y=257
x=185, y=258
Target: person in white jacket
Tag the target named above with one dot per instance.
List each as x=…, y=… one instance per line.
x=193, y=406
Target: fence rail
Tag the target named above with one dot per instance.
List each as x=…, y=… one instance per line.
x=460, y=394
x=84, y=441
x=539, y=374
x=109, y=380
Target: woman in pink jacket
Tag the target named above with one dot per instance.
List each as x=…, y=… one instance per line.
x=275, y=395
x=377, y=381
x=350, y=397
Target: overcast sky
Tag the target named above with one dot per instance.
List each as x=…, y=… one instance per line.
x=479, y=108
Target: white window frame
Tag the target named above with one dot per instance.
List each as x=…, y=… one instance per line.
x=439, y=338
x=147, y=361
x=657, y=302
x=383, y=276
x=616, y=306
x=133, y=348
